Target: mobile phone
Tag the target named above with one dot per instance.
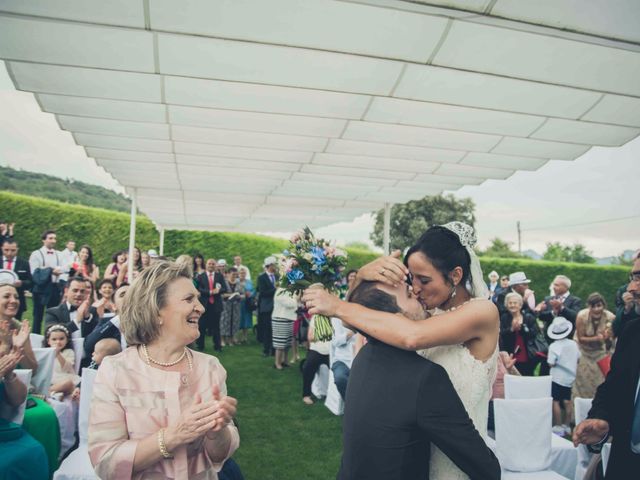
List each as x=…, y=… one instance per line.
x=516, y=350
x=218, y=286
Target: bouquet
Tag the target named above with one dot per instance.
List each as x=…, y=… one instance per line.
x=312, y=262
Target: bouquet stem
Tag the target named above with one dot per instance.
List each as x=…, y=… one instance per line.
x=322, y=329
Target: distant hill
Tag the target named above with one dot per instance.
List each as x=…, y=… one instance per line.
x=68, y=191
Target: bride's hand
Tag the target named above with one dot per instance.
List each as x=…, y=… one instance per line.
x=320, y=302
x=389, y=270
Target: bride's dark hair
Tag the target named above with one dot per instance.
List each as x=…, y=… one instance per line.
x=443, y=249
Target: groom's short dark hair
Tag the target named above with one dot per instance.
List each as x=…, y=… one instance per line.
x=369, y=295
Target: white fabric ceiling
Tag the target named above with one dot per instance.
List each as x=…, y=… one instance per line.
x=248, y=115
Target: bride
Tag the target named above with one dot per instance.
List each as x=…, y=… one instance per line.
x=462, y=328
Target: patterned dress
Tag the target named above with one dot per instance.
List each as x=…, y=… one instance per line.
x=230, y=320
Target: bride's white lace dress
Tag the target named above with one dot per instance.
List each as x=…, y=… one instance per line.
x=473, y=380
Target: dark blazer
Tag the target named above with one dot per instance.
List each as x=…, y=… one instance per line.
x=570, y=308
x=104, y=329
x=61, y=315
x=614, y=402
x=267, y=291
x=397, y=404
x=22, y=269
x=202, y=284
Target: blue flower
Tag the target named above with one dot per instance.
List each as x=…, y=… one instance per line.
x=319, y=257
x=286, y=253
x=295, y=275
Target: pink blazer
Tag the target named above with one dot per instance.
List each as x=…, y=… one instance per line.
x=132, y=400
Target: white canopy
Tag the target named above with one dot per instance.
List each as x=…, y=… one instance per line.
x=253, y=115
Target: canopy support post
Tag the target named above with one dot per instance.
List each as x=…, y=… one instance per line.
x=132, y=235
x=387, y=228
x=161, y=241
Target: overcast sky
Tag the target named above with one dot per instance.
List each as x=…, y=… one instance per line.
x=553, y=204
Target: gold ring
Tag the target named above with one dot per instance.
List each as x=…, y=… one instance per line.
x=382, y=270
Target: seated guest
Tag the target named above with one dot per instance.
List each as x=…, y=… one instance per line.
x=118, y=260
x=21, y=456
x=40, y=421
x=19, y=266
x=506, y=364
x=342, y=353
x=104, y=306
x=104, y=348
x=64, y=378
x=75, y=311
x=159, y=409
x=108, y=327
x=317, y=355
x=383, y=443
x=517, y=330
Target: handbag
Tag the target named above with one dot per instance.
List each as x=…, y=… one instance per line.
x=605, y=364
x=537, y=346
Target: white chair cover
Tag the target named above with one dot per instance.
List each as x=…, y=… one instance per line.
x=321, y=382
x=606, y=451
x=78, y=350
x=77, y=465
x=581, y=407
x=36, y=340
x=66, y=412
x=16, y=414
x=41, y=380
x=564, y=456
x=546, y=475
x=333, y=401
x=523, y=434
x=517, y=387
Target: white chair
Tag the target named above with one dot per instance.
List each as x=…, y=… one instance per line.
x=321, y=382
x=523, y=438
x=36, y=340
x=334, y=400
x=606, y=451
x=77, y=465
x=41, y=380
x=16, y=414
x=517, y=387
x=581, y=407
x=78, y=350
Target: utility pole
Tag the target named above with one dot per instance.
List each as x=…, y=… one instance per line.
x=519, y=238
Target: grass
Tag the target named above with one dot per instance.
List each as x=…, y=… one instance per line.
x=280, y=437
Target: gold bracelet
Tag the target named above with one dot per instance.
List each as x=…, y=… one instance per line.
x=161, y=445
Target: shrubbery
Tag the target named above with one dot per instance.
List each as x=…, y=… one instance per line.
x=108, y=231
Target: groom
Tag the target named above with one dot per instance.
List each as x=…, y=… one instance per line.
x=398, y=403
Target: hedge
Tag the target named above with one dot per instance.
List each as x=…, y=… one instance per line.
x=108, y=231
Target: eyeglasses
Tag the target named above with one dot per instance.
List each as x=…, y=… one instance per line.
x=634, y=277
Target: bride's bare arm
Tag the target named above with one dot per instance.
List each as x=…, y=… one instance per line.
x=450, y=328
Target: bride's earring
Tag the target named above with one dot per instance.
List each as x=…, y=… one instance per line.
x=452, y=295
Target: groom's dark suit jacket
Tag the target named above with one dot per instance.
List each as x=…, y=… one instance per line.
x=397, y=404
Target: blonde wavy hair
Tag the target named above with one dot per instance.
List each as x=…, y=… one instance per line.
x=146, y=296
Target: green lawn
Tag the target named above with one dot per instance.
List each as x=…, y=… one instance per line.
x=280, y=437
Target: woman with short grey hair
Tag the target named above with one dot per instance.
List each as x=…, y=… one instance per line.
x=159, y=409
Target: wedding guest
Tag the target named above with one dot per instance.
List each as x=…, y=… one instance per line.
x=104, y=348
x=211, y=286
x=237, y=262
x=46, y=291
x=64, y=379
x=221, y=266
x=85, y=267
x=517, y=330
x=493, y=284
x=616, y=408
x=591, y=334
x=104, y=305
x=145, y=259
x=108, y=327
x=317, y=355
x=230, y=320
x=198, y=265
x=22, y=457
x=123, y=275
x=69, y=257
x=506, y=364
x=518, y=283
x=159, y=409
x=561, y=303
x=285, y=306
x=625, y=313
x=267, y=282
x=246, y=305
x=6, y=231
x=351, y=278
x=14, y=334
x=118, y=260
x=563, y=360
x=19, y=266
x=75, y=312
x=342, y=353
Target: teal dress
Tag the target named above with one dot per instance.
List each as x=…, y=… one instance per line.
x=22, y=457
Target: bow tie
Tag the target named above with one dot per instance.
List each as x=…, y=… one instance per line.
x=73, y=308
x=50, y=252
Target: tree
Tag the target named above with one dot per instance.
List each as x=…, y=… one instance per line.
x=500, y=249
x=578, y=253
x=411, y=219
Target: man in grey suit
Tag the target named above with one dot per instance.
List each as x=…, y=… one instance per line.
x=267, y=284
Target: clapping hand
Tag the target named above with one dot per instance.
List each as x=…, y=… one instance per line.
x=194, y=423
x=590, y=431
x=9, y=361
x=20, y=337
x=83, y=311
x=227, y=407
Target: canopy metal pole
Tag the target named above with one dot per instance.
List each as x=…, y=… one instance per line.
x=387, y=228
x=161, y=241
x=132, y=235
